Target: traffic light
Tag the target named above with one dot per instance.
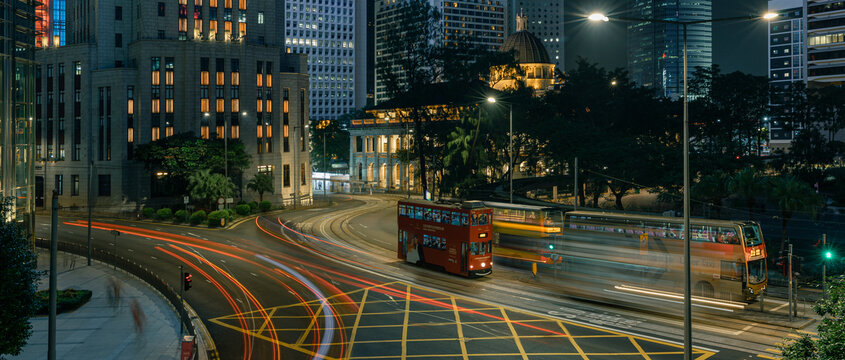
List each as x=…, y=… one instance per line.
x=187, y=281
x=551, y=246
x=828, y=254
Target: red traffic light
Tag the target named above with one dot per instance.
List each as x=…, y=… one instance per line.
x=187, y=282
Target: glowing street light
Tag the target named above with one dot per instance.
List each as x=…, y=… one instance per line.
x=598, y=17
x=770, y=15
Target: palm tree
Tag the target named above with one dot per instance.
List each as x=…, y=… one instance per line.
x=792, y=195
x=261, y=183
x=207, y=187
x=747, y=185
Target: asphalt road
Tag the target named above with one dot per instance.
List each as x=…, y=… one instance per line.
x=265, y=291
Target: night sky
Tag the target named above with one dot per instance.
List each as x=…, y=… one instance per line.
x=736, y=46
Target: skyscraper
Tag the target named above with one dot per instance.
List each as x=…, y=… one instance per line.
x=545, y=21
x=50, y=23
x=786, y=64
x=136, y=71
x=478, y=23
x=825, y=42
x=328, y=34
x=655, y=50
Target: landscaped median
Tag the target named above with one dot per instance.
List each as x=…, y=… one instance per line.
x=217, y=218
x=66, y=300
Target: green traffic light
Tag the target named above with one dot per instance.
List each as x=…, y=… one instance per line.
x=828, y=254
x=551, y=246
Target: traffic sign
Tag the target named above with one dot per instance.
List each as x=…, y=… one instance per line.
x=220, y=200
x=186, y=199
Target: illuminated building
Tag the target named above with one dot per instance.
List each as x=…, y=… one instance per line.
x=655, y=50
x=533, y=59
x=545, y=21
x=138, y=71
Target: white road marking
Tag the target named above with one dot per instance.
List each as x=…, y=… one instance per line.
x=130, y=250
x=365, y=226
x=525, y=298
x=153, y=257
x=239, y=300
x=194, y=235
x=780, y=307
x=223, y=261
x=254, y=274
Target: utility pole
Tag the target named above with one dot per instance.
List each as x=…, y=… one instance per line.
x=181, y=301
x=824, y=265
x=790, y=282
x=54, y=240
x=575, y=207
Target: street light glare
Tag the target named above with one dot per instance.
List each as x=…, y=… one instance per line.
x=770, y=15
x=491, y=100
x=598, y=17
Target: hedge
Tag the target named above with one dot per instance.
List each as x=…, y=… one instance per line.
x=164, y=214
x=198, y=217
x=265, y=205
x=242, y=209
x=67, y=300
x=253, y=206
x=215, y=216
x=180, y=216
x=149, y=213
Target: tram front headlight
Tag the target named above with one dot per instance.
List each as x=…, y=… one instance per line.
x=483, y=264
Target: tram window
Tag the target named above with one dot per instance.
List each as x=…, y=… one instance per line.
x=401, y=210
x=473, y=248
x=446, y=217
x=426, y=240
x=456, y=218
x=483, y=219
x=485, y=247
x=419, y=213
x=474, y=219
x=464, y=219
x=435, y=215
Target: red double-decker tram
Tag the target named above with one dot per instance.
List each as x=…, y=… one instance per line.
x=454, y=237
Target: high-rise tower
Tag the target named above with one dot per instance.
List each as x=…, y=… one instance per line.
x=655, y=50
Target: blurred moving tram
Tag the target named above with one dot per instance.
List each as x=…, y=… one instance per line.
x=633, y=252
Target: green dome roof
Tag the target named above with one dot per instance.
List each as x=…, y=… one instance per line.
x=528, y=47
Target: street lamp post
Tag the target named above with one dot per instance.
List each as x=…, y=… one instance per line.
x=687, y=287
x=493, y=100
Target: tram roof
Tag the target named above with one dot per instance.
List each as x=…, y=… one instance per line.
x=502, y=205
x=630, y=216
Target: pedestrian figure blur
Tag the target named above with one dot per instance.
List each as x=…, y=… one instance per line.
x=113, y=290
x=137, y=316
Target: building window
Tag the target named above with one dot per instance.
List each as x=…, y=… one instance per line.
x=260, y=17
x=161, y=9
x=58, y=186
x=286, y=178
x=118, y=40
x=118, y=13
x=161, y=35
x=104, y=185
x=302, y=174
x=74, y=185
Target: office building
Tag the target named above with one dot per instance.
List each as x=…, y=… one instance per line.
x=50, y=23
x=329, y=33
x=138, y=71
x=655, y=50
x=786, y=65
x=471, y=23
x=545, y=21
x=17, y=110
x=825, y=42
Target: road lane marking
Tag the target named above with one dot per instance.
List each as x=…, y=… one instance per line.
x=639, y=348
x=130, y=250
x=254, y=274
x=405, y=322
x=153, y=257
x=766, y=357
x=779, y=307
x=357, y=321
x=515, y=335
x=460, y=330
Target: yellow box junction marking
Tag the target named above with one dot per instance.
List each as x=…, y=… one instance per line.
x=471, y=306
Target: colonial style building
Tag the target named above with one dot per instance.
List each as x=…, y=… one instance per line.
x=537, y=68
x=139, y=71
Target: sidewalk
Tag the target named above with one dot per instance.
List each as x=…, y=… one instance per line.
x=97, y=330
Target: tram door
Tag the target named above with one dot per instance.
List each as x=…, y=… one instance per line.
x=463, y=257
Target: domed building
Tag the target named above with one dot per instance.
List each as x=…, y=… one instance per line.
x=538, y=70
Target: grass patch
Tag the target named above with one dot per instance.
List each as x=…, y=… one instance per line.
x=67, y=300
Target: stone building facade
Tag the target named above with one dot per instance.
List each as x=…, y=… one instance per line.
x=138, y=71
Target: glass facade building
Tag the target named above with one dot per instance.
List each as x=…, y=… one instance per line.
x=786, y=64
x=326, y=33
x=655, y=50
x=825, y=42
x=17, y=105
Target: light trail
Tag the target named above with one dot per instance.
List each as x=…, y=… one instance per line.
x=232, y=303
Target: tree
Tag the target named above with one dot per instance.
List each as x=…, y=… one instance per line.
x=336, y=141
x=207, y=187
x=831, y=339
x=792, y=195
x=712, y=189
x=181, y=155
x=261, y=183
x=18, y=279
x=747, y=185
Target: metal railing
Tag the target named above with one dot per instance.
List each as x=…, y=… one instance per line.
x=141, y=272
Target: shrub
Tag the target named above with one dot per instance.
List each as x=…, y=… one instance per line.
x=230, y=212
x=164, y=214
x=242, y=209
x=197, y=217
x=215, y=216
x=265, y=205
x=149, y=213
x=66, y=300
x=180, y=216
x=253, y=206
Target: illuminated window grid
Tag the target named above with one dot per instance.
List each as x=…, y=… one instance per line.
x=168, y=131
x=259, y=105
x=269, y=81
x=236, y=105
x=221, y=77
x=198, y=2
x=212, y=3
x=259, y=80
x=269, y=107
x=204, y=78
x=236, y=131
x=204, y=132
x=130, y=135
x=155, y=133
x=156, y=106
x=221, y=105
x=242, y=29
x=220, y=131
x=242, y=4
x=227, y=4
x=204, y=105
x=236, y=78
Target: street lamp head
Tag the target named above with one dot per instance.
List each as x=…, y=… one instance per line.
x=206, y=114
x=613, y=83
x=243, y=113
x=598, y=17
x=770, y=15
x=491, y=100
